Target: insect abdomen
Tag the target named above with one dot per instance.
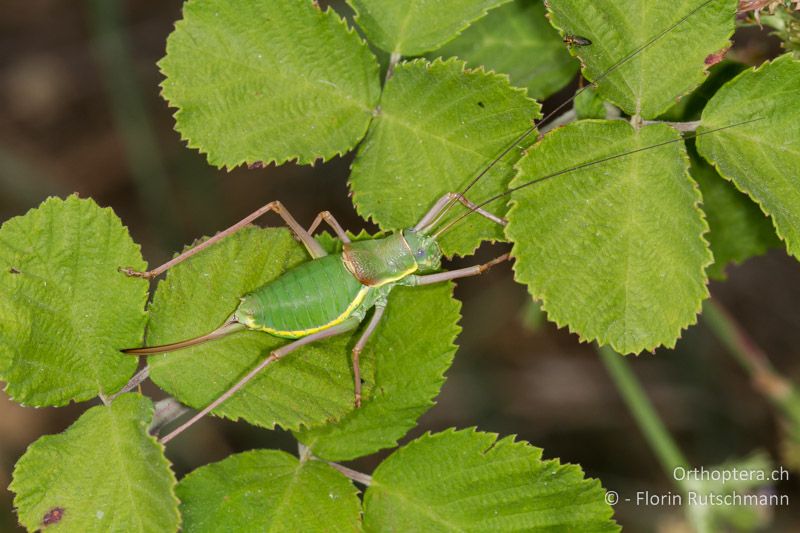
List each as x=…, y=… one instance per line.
x=308, y=298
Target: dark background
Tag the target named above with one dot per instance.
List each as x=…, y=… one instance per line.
x=80, y=112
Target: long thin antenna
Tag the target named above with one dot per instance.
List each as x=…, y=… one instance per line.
x=585, y=165
x=549, y=115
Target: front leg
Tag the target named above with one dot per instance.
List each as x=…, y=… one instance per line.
x=445, y=203
x=455, y=274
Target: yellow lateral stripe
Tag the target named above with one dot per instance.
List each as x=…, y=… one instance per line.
x=399, y=277
x=304, y=332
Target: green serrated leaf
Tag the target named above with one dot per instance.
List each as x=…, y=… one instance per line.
x=65, y=310
x=439, y=126
x=268, y=490
x=104, y=473
x=648, y=84
x=268, y=81
x=405, y=380
x=311, y=386
x=469, y=481
x=690, y=107
x=614, y=251
x=761, y=158
x=516, y=39
x=411, y=29
x=738, y=228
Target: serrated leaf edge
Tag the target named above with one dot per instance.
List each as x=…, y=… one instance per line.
x=561, y=322
x=424, y=406
x=438, y=62
x=51, y=202
x=296, y=158
x=788, y=57
x=574, y=53
x=467, y=24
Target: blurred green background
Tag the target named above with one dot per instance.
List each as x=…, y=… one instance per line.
x=80, y=112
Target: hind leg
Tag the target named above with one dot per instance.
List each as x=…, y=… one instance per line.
x=344, y=327
x=313, y=247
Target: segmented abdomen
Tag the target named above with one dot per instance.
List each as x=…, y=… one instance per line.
x=305, y=299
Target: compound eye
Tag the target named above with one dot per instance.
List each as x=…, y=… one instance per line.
x=420, y=253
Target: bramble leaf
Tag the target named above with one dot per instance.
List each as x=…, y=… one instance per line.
x=738, y=228
x=673, y=66
x=104, y=473
x=405, y=381
x=268, y=490
x=309, y=387
x=614, y=251
x=762, y=158
x=411, y=29
x=268, y=81
x=65, y=310
x=469, y=481
x=517, y=40
x=439, y=126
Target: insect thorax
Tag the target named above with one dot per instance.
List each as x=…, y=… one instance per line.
x=376, y=262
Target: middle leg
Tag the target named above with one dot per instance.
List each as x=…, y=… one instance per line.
x=332, y=222
x=359, y=347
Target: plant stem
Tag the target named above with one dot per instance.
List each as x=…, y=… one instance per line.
x=113, y=51
x=779, y=390
x=668, y=453
x=659, y=439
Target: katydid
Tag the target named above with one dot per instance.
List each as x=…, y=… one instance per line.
x=333, y=293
